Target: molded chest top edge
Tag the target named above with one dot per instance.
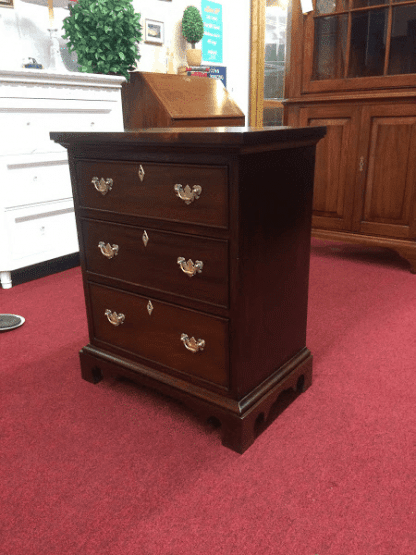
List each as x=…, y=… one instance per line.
x=232, y=137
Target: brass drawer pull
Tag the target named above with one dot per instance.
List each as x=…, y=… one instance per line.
x=109, y=251
x=188, y=267
x=187, y=194
x=114, y=318
x=192, y=344
x=102, y=185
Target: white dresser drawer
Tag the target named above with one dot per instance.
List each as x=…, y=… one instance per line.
x=37, y=222
x=30, y=121
x=36, y=178
x=44, y=229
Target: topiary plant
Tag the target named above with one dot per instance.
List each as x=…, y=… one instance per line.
x=192, y=25
x=104, y=34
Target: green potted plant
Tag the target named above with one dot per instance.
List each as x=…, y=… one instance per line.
x=105, y=35
x=193, y=31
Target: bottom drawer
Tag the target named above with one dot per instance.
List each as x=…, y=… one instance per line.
x=41, y=232
x=175, y=337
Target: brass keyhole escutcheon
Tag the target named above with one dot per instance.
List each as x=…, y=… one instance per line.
x=150, y=308
x=141, y=173
x=145, y=238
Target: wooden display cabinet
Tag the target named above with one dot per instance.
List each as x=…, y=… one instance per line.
x=166, y=100
x=350, y=69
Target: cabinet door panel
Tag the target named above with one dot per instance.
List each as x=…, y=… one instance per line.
x=335, y=164
x=387, y=206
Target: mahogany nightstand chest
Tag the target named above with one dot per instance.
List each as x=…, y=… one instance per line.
x=195, y=251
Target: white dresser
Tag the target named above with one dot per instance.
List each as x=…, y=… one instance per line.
x=37, y=221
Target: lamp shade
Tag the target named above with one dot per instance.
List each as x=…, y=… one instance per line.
x=56, y=3
x=51, y=5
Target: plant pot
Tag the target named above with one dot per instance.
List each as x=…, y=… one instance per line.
x=194, y=57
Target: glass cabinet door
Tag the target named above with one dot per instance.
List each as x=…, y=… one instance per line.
x=402, y=55
x=359, y=39
x=274, y=62
x=330, y=48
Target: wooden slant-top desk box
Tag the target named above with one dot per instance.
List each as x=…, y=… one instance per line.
x=165, y=100
x=195, y=258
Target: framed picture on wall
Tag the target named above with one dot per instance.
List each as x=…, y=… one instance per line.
x=6, y=4
x=153, y=31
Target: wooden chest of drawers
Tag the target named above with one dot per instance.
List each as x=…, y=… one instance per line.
x=195, y=257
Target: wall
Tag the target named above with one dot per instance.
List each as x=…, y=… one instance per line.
x=236, y=41
x=23, y=33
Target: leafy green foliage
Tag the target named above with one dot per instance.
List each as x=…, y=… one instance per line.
x=105, y=35
x=192, y=25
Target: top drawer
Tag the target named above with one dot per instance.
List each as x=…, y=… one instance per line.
x=181, y=193
x=26, y=123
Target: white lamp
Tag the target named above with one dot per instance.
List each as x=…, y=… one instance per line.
x=56, y=63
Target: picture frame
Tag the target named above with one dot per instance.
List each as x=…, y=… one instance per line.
x=154, y=32
x=6, y=4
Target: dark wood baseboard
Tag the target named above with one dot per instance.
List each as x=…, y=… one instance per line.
x=406, y=248
x=43, y=269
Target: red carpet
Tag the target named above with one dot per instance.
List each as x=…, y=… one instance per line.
x=118, y=470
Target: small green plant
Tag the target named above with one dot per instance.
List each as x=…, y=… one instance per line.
x=192, y=25
x=105, y=35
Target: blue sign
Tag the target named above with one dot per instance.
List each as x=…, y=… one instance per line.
x=212, y=39
x=220, y=73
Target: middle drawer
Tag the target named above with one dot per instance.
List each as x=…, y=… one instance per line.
x=186, y=265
